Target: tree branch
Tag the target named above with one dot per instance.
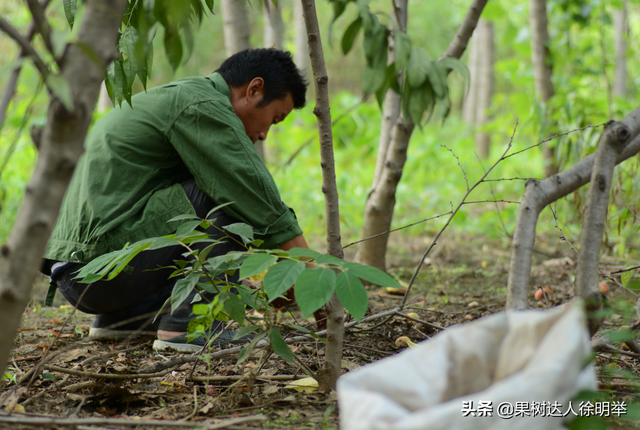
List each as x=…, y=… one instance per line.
x=469, y=22
x=539, y=194
x=41, y=24
x=108, y=421
x=14, y=34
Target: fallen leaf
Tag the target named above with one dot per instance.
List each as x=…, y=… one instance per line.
x=304, y=385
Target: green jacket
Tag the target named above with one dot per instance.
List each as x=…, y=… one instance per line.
x=127, y=183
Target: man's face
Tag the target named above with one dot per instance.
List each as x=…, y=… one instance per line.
x=258, y=119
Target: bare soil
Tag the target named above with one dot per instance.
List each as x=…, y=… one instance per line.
x=464, y=280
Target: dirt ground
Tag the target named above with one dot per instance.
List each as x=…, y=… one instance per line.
x=71, y=377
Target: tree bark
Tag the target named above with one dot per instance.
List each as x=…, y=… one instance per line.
x=621, y=29
x=470, y=106
x=335, y=311
x=612, y=142
x=273, y=26
x=301, y=54
x=235, y=25
x=485, y=85
x=61, y=147
x=236, y=37
x=380, y=204
x=537, y=195
x=541, y=58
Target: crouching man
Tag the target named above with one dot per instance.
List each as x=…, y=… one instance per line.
x=184, y=148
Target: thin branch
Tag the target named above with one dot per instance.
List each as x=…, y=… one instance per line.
x=396, y=229
x=229, y=378
x=460, y=165
x=42, y=25
x=553, y=137
x=25, y=120
x=453, y=214
x=475, y=202
x=469, y=22
x=14, y=34
x=114, y=422
x=12, y=82
x=628, y=269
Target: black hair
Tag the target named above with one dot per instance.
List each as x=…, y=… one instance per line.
x=276, y=67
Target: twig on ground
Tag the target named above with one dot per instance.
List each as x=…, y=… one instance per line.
x=106, y=375
x=453, y=214
x=114, y=422
x=230, y=378
x=628, y=269
x=432, y=325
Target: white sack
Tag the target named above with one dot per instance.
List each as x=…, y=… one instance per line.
x=513, y=356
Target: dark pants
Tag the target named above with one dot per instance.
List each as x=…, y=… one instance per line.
x=140, y=294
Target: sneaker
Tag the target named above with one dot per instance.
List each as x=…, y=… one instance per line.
x=102, y=329
x=181, y=344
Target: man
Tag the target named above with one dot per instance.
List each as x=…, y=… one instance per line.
x=184, y=147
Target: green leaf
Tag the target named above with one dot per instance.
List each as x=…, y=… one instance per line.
x=209, y=5
x=218, y=208
x=281, y=277
x=256, y=264
x=187, y=228
x=402, y=50
x=458, y=66
x=173, y=47
x=372, y=79
x=70, y=7
x=313, y=289
x=625, y=277
x=246, y=330
x=330, y=259
x=245, y=231
x=418, y=67
x=233, y=306
x=352, y=294
x=350, y=35
x=280, y=346
x=182, y=289
x=60, y=88
x=438, y=79
x=304, y=252
x=184, y=217
x=127, y=48
x=246, y=351
x=372, y=275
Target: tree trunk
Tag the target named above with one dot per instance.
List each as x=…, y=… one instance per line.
x=395, y=133
x=61, y=147
x=484, y=85
x=540, y=57
x=380, y=204
x=538, y=194
x=236, y=36
x=236, y=26
x=301, y=54
x=470, y=106
x=612, y=142
x=622, y=30
x=273, y=26
x=335, y=311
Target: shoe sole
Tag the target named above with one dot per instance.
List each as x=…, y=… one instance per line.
x=106, y=334
x=162, y=346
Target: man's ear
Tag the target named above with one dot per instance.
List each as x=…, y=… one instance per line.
x=255, y=89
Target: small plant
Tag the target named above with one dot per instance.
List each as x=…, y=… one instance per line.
x=313, y=276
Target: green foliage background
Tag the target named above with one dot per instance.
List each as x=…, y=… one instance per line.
x=582, y=55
